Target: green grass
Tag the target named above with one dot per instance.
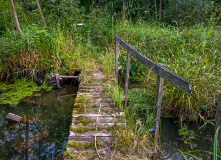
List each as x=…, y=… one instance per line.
x=193, y=53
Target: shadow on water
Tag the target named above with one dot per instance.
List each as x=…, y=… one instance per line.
x=171, y=141
x=46, y=134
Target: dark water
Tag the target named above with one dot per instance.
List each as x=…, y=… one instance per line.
x=46, y=134
x=171, y=141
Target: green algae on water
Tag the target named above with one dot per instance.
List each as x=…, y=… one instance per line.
x=13, y=93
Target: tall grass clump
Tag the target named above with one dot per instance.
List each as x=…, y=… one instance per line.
x=191, y=52
x=132, y=137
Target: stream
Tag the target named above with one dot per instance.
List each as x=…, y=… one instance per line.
x=46, y=134
x=50, y=116
x=171, y=141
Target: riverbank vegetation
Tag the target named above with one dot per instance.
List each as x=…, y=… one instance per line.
x=79, y=35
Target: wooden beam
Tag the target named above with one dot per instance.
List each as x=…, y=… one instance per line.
x=116, y=59
x=126, y=80
x=176, y=80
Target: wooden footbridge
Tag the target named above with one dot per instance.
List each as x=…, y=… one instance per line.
x=94, y=114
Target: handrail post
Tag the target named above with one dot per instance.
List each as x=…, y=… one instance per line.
x=116, y=59
x=157, y=109
x=218, y=115
x=126, y=80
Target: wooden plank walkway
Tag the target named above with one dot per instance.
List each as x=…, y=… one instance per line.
x=93, y=116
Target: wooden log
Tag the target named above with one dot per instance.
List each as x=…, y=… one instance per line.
x=176, y=80
x=126, y=80
x=13, y=117
x=116, y=59
x=157, y=110
x=16, y=118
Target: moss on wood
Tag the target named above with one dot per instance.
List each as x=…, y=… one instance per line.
x=80, y=145
x=83, y=120
x=82, y=129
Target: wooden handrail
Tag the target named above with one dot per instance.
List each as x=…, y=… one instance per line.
x=162, y=74
x=174, y=79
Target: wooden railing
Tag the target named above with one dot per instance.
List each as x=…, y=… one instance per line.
x=162, y=74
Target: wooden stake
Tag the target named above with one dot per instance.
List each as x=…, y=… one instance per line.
x=116, y=59
x=57, y=80
x=157, y=109
x=126, y=80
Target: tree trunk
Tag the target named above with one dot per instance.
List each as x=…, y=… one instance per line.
x=3, y=8
x=156, y=9
x=160, y=10
x=39, y=8
x=23, y=7
x=15, y=16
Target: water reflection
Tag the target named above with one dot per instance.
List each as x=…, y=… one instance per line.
x=45, y=136
x=171, y=141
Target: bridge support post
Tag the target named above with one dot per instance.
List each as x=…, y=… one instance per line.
x=116, y=59
x=126, y=80
x=57, y=80
x=157, y=109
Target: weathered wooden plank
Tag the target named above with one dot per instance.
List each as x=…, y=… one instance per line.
x=99, y=125
x=13, y=117
x=101, y=119
x=90, y=139
x=91, y=134
x=157, y=110
x=176, y=80
x=126, y=80
x=98, y=115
